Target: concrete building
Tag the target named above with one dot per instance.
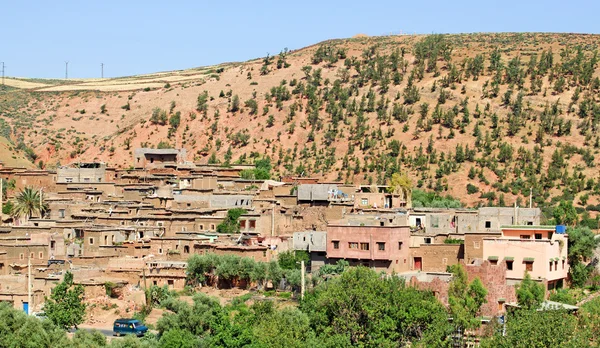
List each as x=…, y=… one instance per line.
x=82, y=173
x=384, y=248
x=539, y=250
x=315, y=243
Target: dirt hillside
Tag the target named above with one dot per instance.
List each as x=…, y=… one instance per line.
x=483, y=117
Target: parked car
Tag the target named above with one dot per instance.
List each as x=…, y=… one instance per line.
x=129, y=327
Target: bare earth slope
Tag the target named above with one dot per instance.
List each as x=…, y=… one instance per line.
x=505, y=113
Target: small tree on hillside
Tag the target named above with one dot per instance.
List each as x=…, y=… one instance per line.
x=230, y=224
x=65, y=307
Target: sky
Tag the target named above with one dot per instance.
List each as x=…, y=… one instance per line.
x=134, y=37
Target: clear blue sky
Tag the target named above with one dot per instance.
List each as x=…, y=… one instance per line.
x=133, y=37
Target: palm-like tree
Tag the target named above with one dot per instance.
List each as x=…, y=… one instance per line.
x=28, y=203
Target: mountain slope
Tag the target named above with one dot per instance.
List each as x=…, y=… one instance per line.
x=483, y=117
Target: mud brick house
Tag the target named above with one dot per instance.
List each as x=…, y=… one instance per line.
x=169, y=273
x=157, y=158
x=377, y=196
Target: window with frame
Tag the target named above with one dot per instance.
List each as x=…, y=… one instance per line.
x=364, y=246
x=551, y=266
x=563, y=264
x=380, y=246
x=352, y=245
x=529, y=266
x=555, y=265
x=488, y=224
x=435, y=222
x=336, y=244
x=91, y=240
x=428, y=240
x=21, y=256
x=476, y=244
x=364, y=201
x=525, y=236
x=252, y=224
x=400, y=245
x=243, y=224
x=61, y=213
x=509, y=265
x=538, y=236
x=41, y=255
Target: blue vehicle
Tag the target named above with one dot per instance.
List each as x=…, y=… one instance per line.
x=129, y=327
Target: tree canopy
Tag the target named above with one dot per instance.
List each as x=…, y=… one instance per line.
x=65, y=307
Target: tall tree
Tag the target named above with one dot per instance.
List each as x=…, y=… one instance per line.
x=65, y=307
x=465, y=299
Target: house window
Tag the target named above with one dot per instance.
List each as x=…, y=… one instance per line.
x=525, y=236
x=336, y=244
x=380, y=246
x=427, y=240
x=252, y=224
x=184, y=229
x=500, y=306
x=488, y=224
x=493, y=262
x=170, y=282
x=41, y=255
x=435, y=221
x=563, y=264
x=445, y=261
x=364, y=201
x=555, y=265
x=91, y=241
x=212, y=226
x=186, y=249
x=529, y=266
x=476, y=245
x=155, y=282
x=538, y=236
x=364, y=246
x=21, y=256
x=61, y=213
x=550, y=266
x=353, y=245
x=86, y=179
x=69, y=179
x=529, y=223
x=160, y=251
x=550, y=235
x=243, y=224
x=418, y=222
x=399, y=245
x=52, y=244
x=31, y=255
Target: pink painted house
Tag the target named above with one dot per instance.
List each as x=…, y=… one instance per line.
x=539, y=250
x=384, y=248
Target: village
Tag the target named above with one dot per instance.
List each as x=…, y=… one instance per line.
x=137, y=227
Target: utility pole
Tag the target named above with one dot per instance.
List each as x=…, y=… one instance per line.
x=41, y=204
x=66, y=70
x=144, y=275
x=1, y=190
x=302, y=279
x=2, y=75
x=102, y=70
x=29, y=304
x=530, y=197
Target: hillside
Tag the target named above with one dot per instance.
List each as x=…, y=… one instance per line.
x=10, y=156
x=483, y=117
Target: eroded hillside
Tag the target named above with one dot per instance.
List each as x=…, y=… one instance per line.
x=483, y=117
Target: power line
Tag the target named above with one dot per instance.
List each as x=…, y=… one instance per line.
x=66, y=70
x=2, y=75
x=102, y=70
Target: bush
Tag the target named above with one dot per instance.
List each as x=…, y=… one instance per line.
x=472, y=189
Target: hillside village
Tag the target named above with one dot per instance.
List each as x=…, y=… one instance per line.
x=455, y=177
x=138, y=227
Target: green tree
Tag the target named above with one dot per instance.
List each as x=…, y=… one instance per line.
x=175, y=120
x=231, y=224
x=465, y=299
x=582, y=243
x=65, y=307
x=178, y=338
x=235, y=103
x=565, y=213
x=28, y=203
x=530, y=294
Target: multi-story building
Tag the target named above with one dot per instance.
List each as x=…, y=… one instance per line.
x=539, y=250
